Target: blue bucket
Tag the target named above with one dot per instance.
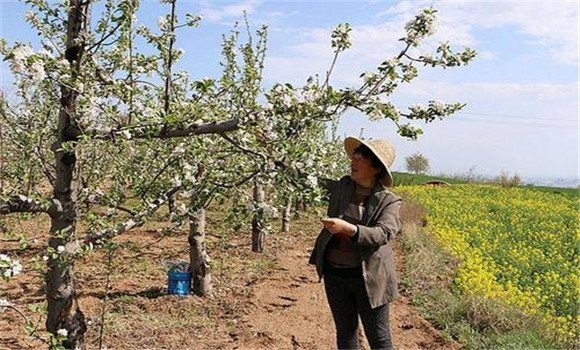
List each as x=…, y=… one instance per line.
x=178, y=283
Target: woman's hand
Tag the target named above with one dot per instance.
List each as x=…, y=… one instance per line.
x=336, y=226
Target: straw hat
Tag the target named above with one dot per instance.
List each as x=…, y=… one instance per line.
x=381, y=148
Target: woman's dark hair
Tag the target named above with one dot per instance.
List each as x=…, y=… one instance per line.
x=376, y=163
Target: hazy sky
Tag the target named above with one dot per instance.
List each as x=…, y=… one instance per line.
x=522, y=91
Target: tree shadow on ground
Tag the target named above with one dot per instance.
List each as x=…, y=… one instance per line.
x=151, y=293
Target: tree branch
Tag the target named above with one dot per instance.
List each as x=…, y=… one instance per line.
x=9, y=305
x=245, y=150
x=105, y=37
x=23, y=204
x=239, y=183
x=169, y=63
x=45, y=165
x=171, y=132
x=135, y=221
x=167, y=165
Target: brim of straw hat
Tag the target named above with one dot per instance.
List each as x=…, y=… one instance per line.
x=352, y=143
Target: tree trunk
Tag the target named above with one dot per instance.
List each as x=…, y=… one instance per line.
x=286, y=215
x=299, y=207
x=63, y=307
x=198, y=257
x=171, y=205
x=257, y=221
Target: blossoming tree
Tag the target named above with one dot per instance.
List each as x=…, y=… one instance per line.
x=100, y=118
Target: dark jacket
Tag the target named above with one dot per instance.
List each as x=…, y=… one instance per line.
x=373, y=239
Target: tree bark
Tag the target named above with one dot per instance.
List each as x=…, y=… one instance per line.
x=198, y=257
x=286, y=215
x=171, y=205
x=257, y=221
x=169, y=131
x=299, y=207
x=63, y=308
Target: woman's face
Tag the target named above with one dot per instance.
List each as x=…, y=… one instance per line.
x=361, y=169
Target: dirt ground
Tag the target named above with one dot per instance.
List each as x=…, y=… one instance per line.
x=271, y=300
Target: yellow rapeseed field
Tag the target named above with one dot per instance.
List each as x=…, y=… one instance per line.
x=517, y=244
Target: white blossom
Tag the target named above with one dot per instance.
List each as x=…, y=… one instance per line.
x=17, y=66
x=60, y=248
x=182, y=209
x=190, y=177
x=30, y=16
x=72, y=247
x=44, y=52
x=163, y=24
x=369, y=77
x=9, y=267
x=417, y=108
x=22, y=52
x=268, y=211
x=313, y=180
x=4, y=304
x=126, y=134
x=63, y=64
x=16, y=267
x=421, y=26
x=438, y=107
x=62, y=332
x=179, y=150
x=287, y=100
x=37, y=71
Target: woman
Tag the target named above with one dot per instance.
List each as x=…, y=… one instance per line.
x=353, y=251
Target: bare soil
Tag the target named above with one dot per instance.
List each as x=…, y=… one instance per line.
x=270, y=300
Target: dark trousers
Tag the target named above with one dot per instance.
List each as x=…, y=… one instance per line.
x=348, y=300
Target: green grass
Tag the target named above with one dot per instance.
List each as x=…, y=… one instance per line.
x=572, y=192
x=406, y=179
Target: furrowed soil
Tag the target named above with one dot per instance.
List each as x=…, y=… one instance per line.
x=270, y=300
